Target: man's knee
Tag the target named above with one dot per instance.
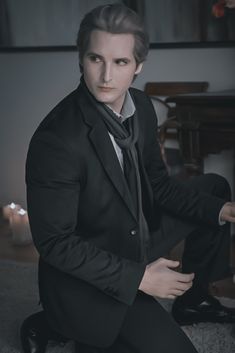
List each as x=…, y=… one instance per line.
x=214, y=184
x=220, y=186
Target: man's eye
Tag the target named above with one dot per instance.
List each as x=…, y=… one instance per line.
x=121, y=62
x=94, y=59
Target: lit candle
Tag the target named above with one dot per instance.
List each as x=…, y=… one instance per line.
x=19, y=223
x=9, y=210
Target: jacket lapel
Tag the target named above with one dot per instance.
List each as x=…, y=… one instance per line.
x=103, y=147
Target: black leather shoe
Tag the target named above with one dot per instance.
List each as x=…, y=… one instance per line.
x=210, y=310
x=35, y=334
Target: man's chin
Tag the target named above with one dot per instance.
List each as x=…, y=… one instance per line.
x=102, y=98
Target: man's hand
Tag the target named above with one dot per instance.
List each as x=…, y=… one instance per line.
x=227, y=213
x=161, y=281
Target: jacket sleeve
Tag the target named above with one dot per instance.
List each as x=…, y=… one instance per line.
x=53, y=177
x=172, y=195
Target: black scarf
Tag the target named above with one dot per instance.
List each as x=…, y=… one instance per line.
x=126, y=135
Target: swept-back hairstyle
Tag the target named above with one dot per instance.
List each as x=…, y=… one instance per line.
x=115, y=19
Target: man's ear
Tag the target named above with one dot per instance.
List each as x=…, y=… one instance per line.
x=138, y=68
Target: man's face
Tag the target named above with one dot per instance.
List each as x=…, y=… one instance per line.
x=109, y=67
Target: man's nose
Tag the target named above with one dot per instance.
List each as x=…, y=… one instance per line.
x=107, y=73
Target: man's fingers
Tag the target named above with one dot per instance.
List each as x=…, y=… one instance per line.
x=181, y=277
x=163, y=281
x=170, y=296
x=230, y=219
x=228, y=212
x=180, y=288
x=183, y=287
x=177, y=292
x=171, y=263
x=184, y=277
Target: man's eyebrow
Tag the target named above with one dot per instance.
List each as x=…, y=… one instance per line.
x=123, y=58
x=94, y=54
x=100, y=56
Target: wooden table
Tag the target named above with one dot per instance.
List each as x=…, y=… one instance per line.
x=207, y=125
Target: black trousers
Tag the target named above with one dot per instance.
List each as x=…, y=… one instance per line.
x=147, y=327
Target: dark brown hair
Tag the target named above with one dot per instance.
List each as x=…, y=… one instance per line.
x=115, y=19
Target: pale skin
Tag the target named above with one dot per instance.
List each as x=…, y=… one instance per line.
x=109, y=67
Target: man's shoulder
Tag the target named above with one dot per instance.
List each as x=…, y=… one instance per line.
x=64, y=115
x=140, y=98
x=138, y=94
x=66, y=107
x=143, y=103
x=65, y=121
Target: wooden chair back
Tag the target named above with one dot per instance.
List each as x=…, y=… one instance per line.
x=167, y=89
x=169, y=127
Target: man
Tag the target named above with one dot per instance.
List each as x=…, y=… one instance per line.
x=103, y=210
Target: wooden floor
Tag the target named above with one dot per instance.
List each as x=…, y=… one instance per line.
x=28, y=253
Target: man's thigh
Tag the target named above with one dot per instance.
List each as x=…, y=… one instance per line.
x=211, y=183
x=171, y=232
x=173, y=229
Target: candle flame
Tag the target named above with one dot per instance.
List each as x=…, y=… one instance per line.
x=22, y=212
x=12, y=205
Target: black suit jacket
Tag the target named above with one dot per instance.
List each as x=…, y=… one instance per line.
x=82, y=221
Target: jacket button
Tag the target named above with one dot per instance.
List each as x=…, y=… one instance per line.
x=133, y=232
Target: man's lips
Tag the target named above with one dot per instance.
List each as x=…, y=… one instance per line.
x=105, y=89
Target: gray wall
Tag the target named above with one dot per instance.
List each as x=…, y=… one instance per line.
x=32, y=83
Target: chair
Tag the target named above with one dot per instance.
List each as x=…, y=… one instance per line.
x=168, y=126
